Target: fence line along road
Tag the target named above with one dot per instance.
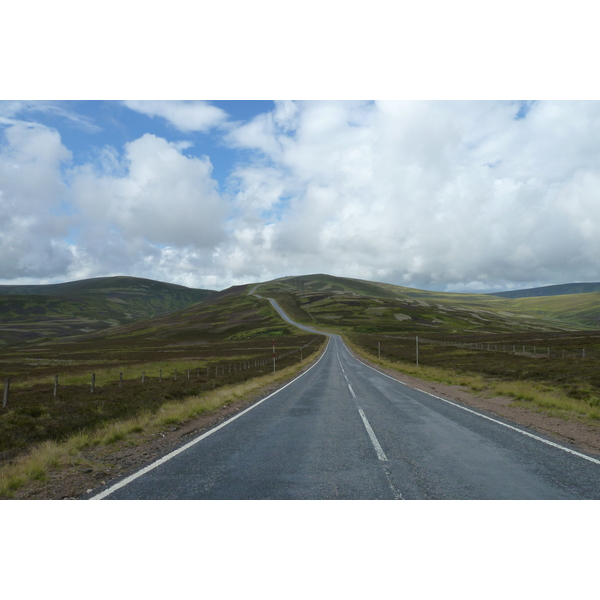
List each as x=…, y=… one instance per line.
x=220, y=368
x=520, y=349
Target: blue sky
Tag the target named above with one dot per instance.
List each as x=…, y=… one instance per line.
x=443, y=195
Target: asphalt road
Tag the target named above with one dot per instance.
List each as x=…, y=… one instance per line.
x=343, y=430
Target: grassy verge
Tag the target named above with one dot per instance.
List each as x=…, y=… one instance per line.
x=539, y=394
x=35, y=465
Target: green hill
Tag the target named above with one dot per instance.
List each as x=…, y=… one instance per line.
x=37, y=313
x=552, y=290
x=347, y=305
x=28, y=313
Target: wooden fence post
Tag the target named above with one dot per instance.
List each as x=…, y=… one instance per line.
x=55, y=385
x=160, y=375
x=143, y=376
x=93, y=382
x=6, y=388
x=120, y=380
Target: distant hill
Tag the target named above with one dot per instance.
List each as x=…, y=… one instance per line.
x=352, y=305
x=31, y=312
x=563, y=289
x=110, y=286
x=128, y=306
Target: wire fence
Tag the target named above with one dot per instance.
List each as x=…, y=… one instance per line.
x=518, y=349
x=208, y=369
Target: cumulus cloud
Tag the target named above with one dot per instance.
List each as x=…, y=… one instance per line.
x=185, y=116
x=32, y=224
x=463, y=196
x=162, y=195
x=430, y=194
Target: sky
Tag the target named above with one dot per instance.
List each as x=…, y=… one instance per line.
x=416, y=147
x=442, y=195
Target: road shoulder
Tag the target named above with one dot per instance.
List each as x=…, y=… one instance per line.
x=584, y=436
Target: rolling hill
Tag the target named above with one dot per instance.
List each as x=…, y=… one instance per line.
x=346, y=305
x=33, y=312
x=552, y=290
x=41, y=313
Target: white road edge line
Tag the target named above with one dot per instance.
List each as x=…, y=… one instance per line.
x=351, y=391
x=171, y=455
x=531, y=435
x=380, y=453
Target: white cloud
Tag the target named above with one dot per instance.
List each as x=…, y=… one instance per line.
x=32, y=224
x=159, y=195
x=425, y=193
x=185, y=116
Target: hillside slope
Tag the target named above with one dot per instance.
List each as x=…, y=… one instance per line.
x=29, y=313
x=346, y=305
x=552, y=290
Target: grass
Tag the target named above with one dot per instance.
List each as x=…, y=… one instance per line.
x=36, y=464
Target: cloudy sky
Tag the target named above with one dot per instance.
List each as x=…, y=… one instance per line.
x=436, y=190
x=445, y=195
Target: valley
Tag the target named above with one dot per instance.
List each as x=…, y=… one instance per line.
x=148, y=345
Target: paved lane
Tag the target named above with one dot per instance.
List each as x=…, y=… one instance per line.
x=345, y=431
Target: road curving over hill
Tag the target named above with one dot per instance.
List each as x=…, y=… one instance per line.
x=344, y=430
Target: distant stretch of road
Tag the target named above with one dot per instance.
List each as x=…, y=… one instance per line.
x=344, y=430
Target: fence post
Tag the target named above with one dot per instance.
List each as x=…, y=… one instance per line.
x=175, y=374
x=143, y=376
x=379, y=350
x=6, y=388
x=55, y=384
x=160, y=375
x=93, y=382
x=417, y=351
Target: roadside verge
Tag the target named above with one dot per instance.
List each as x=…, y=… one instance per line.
x=74, y=468
x=567, y=428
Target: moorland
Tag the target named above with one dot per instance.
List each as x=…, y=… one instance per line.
x=153, y=348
